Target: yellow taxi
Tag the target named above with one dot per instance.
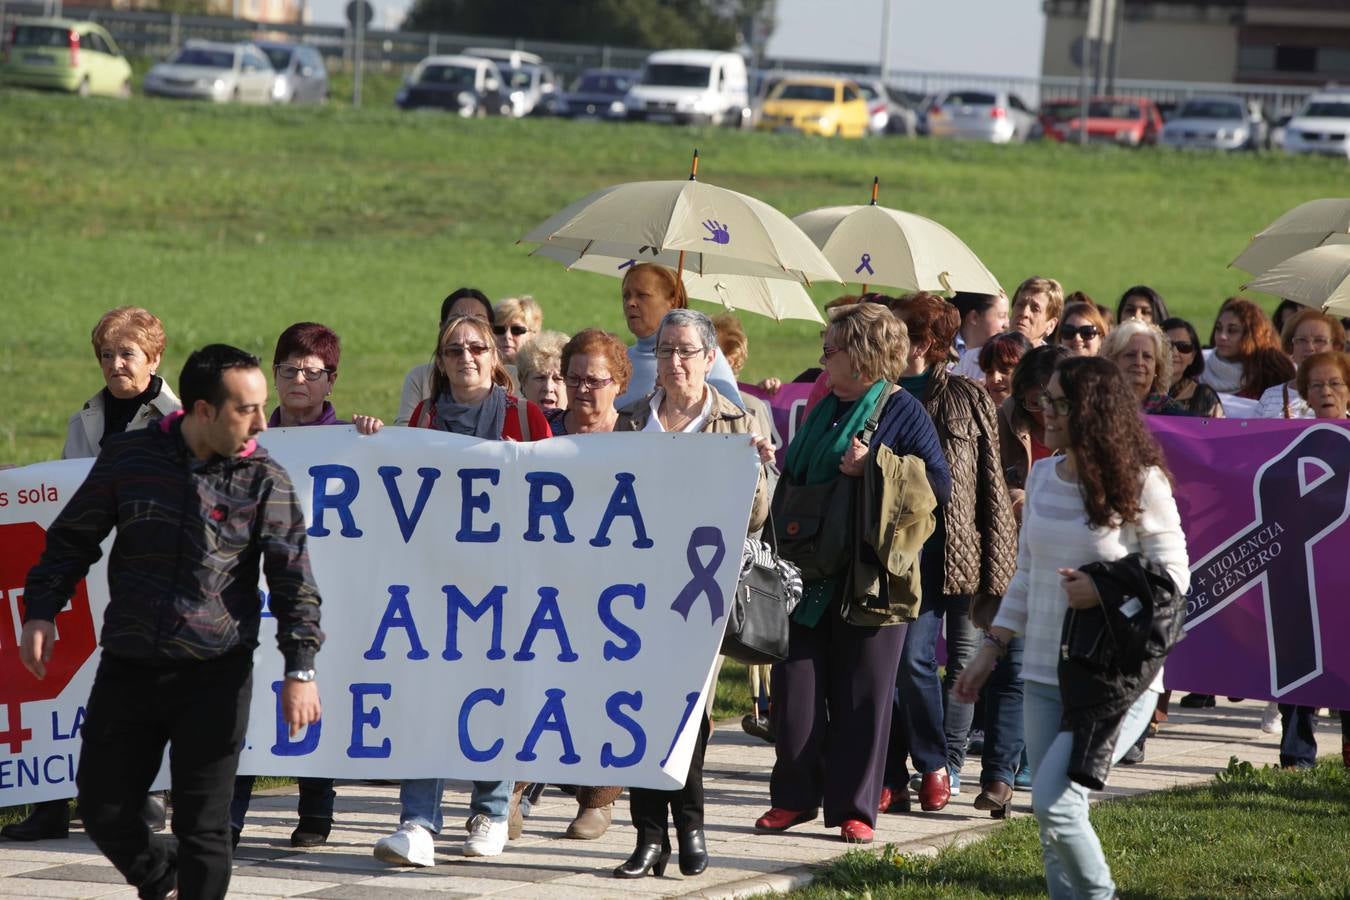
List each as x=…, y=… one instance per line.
x=828, y=106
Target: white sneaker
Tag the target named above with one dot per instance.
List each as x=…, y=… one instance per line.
x=1270, y=719
x=486, y=837
x=411, y=845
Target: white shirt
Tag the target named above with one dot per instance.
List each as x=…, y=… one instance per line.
x=1271, y=405
x=695, y=424
x=1055, y=535
x=416, y=388
x=969, y=365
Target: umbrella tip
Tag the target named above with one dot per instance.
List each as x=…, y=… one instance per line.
x=693, y=169
x=876, y=185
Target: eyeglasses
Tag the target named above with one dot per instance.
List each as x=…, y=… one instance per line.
x=1060, y=405
x=450, y=351
x=591, y=384
x=289, y=373
x=681, y=352
x=1086, y=332
x=517, y=330
x=1335, y=385
x=1183, y=346
x=827, y=351
x=1312, y=342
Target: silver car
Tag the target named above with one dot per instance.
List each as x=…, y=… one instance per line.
x=1222, y=122
x=301, y=74
x=998, y=117
x=887, y=114
x=204, y=70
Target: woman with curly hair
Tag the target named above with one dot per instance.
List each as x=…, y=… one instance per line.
x=1109, y=474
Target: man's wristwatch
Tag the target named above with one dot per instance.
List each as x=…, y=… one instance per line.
x=300, y=675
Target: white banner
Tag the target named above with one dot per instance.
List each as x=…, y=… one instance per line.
x=493, y=610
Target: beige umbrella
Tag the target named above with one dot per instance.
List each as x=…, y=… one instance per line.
x=1304, y=227
x=874, y=245
x=776, y=298
x=710, y=230
x=1319, y=278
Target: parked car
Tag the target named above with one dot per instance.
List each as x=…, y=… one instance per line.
x=532, y=88
x=1321, y=126
x=1221, y=122
x=598, y=94
x=504, y=56
x=205, y=70
x=301, y=74
x=701, y=87
x=1055, y=113
x=999, y=117
x=833, y=107
x=65, y=55
x=1127, y=121
x=469, y=85
x=889, y=113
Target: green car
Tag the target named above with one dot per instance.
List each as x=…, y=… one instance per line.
x=65, y=55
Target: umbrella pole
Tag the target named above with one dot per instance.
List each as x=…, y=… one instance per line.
x=679, y=269
x=693, y=168
x=876, y=184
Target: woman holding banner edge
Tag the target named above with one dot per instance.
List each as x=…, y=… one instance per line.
x=685, y=347
x=1110, y=474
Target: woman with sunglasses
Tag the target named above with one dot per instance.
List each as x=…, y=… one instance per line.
x=515, y=322
x=468, y=396
x=1188, y=364
x=684, y=401
x=1082, y=329
x=1110, y=474
x=305, y=368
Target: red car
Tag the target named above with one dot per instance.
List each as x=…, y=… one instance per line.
x=1127, y=121
x=1055, y=114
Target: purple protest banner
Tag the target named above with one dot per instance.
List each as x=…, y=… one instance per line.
x=788, y=407
x=1264, y=506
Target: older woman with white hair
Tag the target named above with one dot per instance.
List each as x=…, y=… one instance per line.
x=684, y=401
x=1143, y=353
x=539, y=371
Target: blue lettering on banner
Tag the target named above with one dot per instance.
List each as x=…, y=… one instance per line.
x=23, y=772
x=471, y=501
x=623, y=502
x=614, y=709
x=455, y=603
x=703, y=580
x=496, y=697
x=397, y=614
x=341, y=502
x=58, y=734
x=547, y=615
x=552, y=717
x=284, y=746
x=554, y=509
x=689, y=702
x=632, y=642
x=361, y=717
x=407, y=522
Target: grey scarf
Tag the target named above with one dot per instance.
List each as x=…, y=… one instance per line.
x=484, y=419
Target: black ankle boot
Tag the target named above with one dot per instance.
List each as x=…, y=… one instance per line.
x=49, y=821
x=647, y=857
x=155, y=812
x=311, y=832
x=693, y=852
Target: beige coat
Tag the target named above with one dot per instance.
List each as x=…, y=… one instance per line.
x=86, y=427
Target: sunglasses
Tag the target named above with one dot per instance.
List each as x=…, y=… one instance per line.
x=289, y=373
x=1086, y=332
x=1183, y=346
x=517, y=330
x=450, y=351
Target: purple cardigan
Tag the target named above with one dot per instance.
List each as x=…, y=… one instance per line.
x=327, y=417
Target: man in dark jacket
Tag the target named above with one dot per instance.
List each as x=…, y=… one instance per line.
x=197, y=505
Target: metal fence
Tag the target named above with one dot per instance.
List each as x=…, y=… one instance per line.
x=154, y=35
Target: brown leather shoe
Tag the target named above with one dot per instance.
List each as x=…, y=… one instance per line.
x=590, y=823
x=935, y=790
x=996, y=797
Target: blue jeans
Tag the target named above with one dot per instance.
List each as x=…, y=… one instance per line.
x=1003, y=735
x=917, y=723
x=1298, y=741
x=963, y=642
x=1075, y=867
x=421, y=801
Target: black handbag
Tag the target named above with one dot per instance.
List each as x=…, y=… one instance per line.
x=768, y=590
x=816, y=524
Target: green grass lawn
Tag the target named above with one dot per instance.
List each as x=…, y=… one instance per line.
x=1250, y=833
x=233, y=222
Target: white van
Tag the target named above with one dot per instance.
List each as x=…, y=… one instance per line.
x=691, y=87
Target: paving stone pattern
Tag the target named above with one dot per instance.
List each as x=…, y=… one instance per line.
x=541, y=863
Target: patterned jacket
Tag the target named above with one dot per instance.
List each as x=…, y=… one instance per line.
x=981, y=535
x=183, y=571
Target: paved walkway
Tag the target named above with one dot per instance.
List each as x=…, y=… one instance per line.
x=1190, y=748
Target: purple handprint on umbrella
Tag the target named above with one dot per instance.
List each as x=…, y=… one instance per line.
x=718, y=231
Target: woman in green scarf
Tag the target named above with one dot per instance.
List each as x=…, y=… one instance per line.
x=832, y=695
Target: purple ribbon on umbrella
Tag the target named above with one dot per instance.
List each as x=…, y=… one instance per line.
x=865, y=262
